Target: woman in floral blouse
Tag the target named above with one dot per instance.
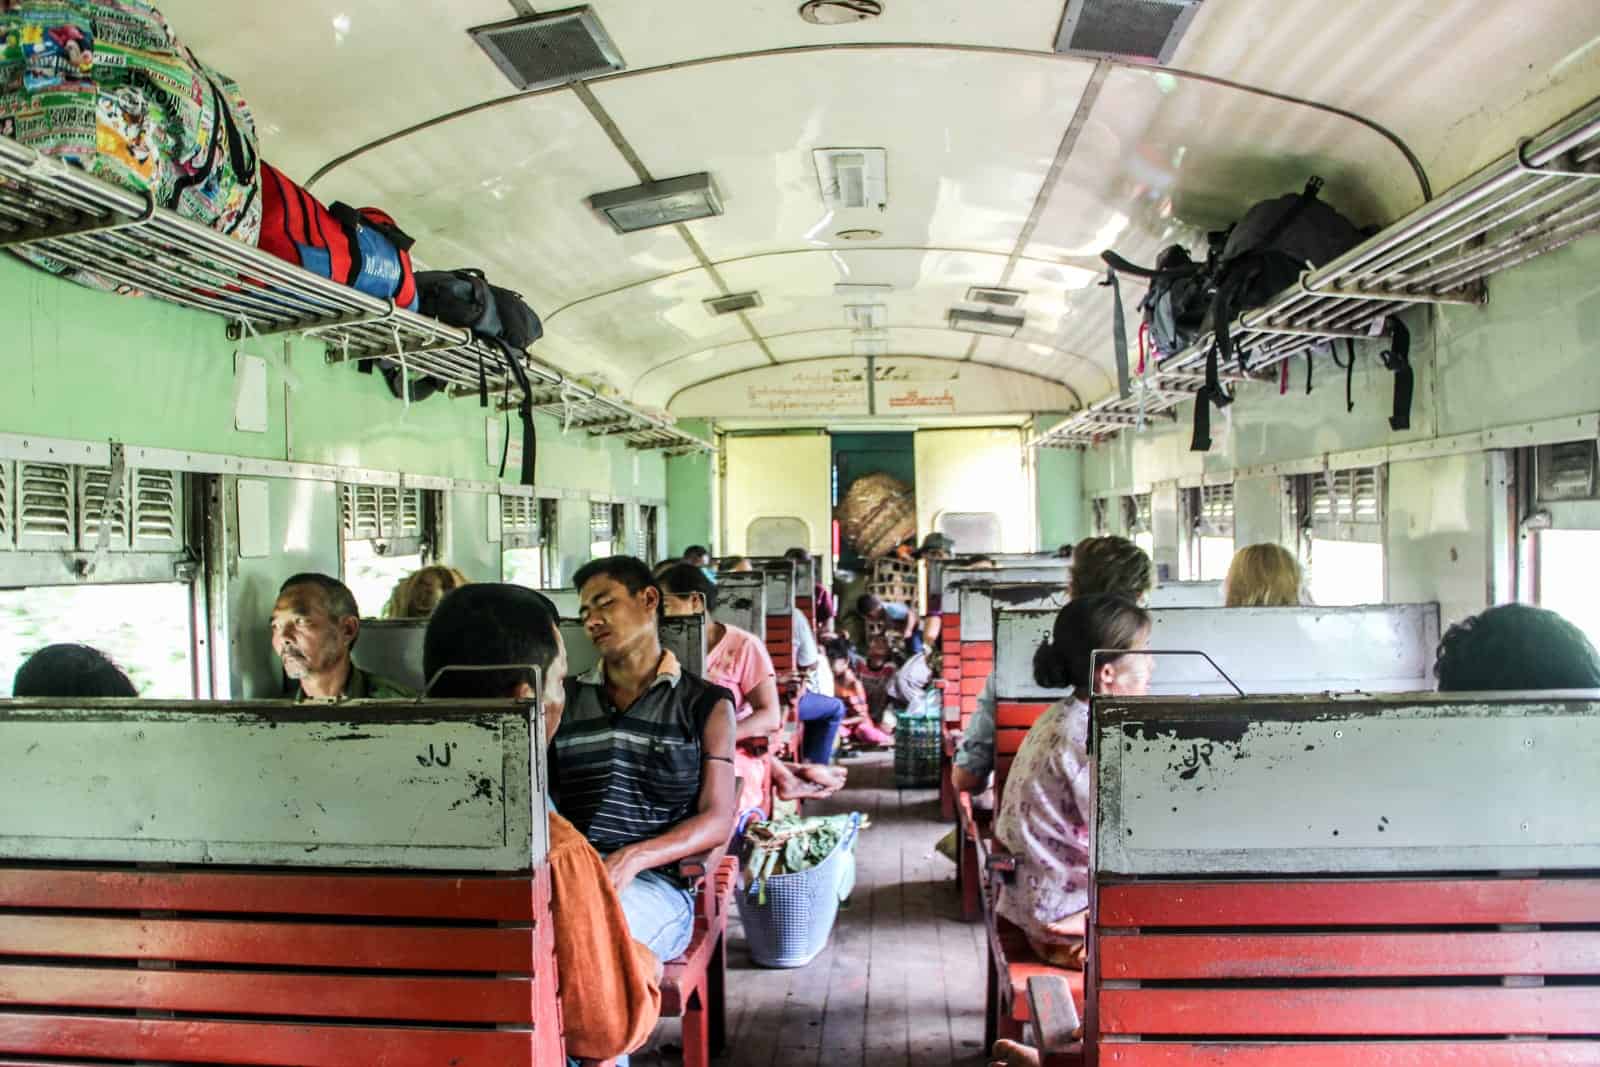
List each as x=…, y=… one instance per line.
x=1044, y=816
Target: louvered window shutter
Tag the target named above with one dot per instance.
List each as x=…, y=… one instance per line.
x=94, y=490
x=1216, y=510
x=519, y=522
x=1566, y=471
x=1347, y=505
x=46, y=506
x=599, y=523
x=8, y=485
x=157, y=511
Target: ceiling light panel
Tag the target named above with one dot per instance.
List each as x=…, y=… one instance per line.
x=861, y=291
x=1005, y=298
x=664, y=203
x=853, y=178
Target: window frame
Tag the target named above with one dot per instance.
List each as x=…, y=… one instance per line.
x=1539, y=511
x=1208, y=512
x=1347, y=519
x=367, y=514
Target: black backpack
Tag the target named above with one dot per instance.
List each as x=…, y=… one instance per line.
x=495, y=315
x=1174, y=307
x=1266, y=252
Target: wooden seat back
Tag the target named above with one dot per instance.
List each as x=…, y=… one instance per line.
x=319, y=969
x=1318, y=881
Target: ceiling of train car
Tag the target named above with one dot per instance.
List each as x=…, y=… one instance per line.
x=1008, y=165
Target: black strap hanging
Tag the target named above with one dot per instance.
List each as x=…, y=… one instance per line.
x=1200, y=441
x=1119, y=335
x=1350, y=377
x=1397, y=358
x=1309, y=364
x=483, y=381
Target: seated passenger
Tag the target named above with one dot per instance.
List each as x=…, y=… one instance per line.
x=418, y=593
x=1099, y=565
x=643, y=761
x=876, y=672
x=699, y=556
x=898, y=620
x=315, y=624
x=1262, y=576
x=1044, y=814
x=821, y=713
x=911, y=685
x=70, y=671
x=738, y=565
x=1515, y=646
x=610, y=984
x=738, y=661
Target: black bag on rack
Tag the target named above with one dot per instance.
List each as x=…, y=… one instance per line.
x=1174, y=306
x=1266, y=252
x=497, y=316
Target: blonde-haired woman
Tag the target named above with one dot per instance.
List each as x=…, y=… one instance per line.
x=418, y=593
x=1262, y=576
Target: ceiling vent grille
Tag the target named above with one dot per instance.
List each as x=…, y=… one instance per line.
x=554, y=49
x=1005, y=298
x=1145, y=30
x=727, y=305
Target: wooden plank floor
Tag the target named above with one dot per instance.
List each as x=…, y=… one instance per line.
x=900, y=983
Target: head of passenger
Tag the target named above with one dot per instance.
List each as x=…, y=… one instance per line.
x=70, y=671
x=1262, y=576
x=1515, y=646
x=315, y=623
x=618, y=604
x=983, y=562
x=1064, y=552
x=685, y=590
x=493, y=625
x=877, y=651
x=799, y=555
x=1113, y=625
x=869, y=607
x=697, y=556
x=1111, y=565
x=935, y=546
x=741, y=565
x=418, y=593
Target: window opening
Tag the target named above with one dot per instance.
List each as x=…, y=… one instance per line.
x=650, y=534
x=1210, y=530
x=1569, y=581
x=1136, y=519
x=600, y=531
x=972, y=531
x=1341, y=535
x=522, y=552
x=549, y=541
x=146, y=628
x=385, y=536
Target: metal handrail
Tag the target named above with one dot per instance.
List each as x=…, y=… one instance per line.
x=1540, y=196
x=89, y=225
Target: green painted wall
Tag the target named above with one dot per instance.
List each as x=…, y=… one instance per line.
x=85, y=365
x=1063, y=517
x=690, y=485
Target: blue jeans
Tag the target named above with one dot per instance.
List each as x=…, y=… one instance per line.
x=660, y=914
x=820, y=717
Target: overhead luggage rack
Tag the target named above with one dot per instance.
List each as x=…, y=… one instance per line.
x=121, y=236
x=1541, y=196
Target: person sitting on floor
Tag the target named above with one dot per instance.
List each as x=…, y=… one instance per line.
x=857, y=727
x=876, y=671
x=1099, y=565
x=1262, y=576
x=643, y=761
x=68, y=670
x=738, y=661
x=418, y=593
x=1044, y=814
x=1513, y=647
x=610, y=984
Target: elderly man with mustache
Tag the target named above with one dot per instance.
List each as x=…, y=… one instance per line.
x=315, y=623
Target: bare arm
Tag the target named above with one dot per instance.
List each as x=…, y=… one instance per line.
x=709, y=827
x=967, y=782
x=913, y=620
x=765, y=716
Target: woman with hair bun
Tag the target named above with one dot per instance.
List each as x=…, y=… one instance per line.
x=1044, y=815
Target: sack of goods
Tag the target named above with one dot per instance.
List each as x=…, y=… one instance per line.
x=107, y=87
x=797, y=871
x=362, y=248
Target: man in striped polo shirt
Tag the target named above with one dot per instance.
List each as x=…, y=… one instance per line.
x=643, y=761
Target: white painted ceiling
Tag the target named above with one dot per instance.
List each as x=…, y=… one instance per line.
x=967, y=98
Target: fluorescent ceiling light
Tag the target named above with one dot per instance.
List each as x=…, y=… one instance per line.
x=853, y=177
x=865, y=316
x=988, y=321
x=983, y=294
x=641, y=207
x=862, y=290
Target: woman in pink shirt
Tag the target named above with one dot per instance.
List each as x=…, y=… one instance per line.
x=1044, y=814
x=738, y=661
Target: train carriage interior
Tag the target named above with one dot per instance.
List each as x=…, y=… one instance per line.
x=816, y=532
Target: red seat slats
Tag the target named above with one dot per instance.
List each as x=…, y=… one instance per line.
x=1411, y=1011
x=252, y=1043
x=1397, y=902
x=1354, y=1054
x=444, y=1000
x=485, y=897
x=407, y=948
x=1151, y=957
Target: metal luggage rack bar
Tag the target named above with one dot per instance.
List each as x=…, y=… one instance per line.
x=1539, y=197
x=125, y=241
